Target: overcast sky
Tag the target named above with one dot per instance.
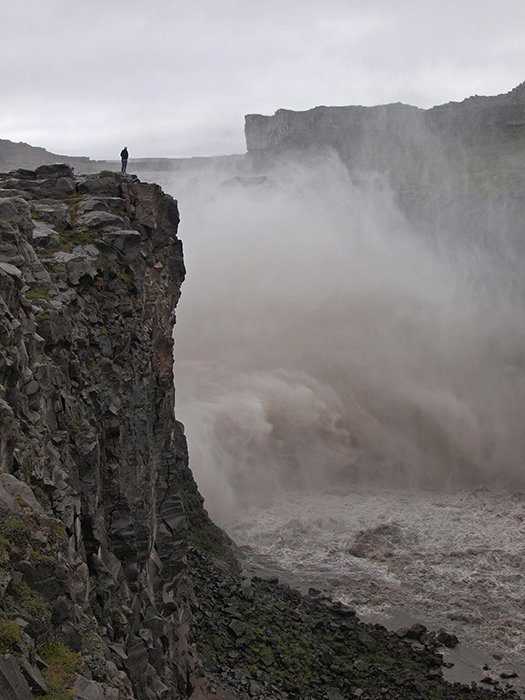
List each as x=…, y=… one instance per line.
x=175, y=78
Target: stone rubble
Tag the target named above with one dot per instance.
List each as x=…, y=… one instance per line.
x=263, y=639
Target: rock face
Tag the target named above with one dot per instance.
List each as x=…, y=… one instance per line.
x=349, y=130
x=462, y=149
x=456, y=170
x=93, y=527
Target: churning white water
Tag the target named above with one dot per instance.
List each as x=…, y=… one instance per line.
x=453, y=560
x=354, y=396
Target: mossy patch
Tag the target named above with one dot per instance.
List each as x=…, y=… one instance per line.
x=61, y=671
x=76, y=236
x=14, y=537
x=33, y=604
x=34, y=294
x=73, y=425
x=203, y=532
x=58, y=529
x=127, y=279
x=10, y=636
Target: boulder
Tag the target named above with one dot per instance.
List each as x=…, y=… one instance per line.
x=101, y=219
x=54, y=213
x=15, y=496
x=13, y=686
x=84, y=689
x=57, y=170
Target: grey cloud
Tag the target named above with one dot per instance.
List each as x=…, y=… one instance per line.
x=174, y=79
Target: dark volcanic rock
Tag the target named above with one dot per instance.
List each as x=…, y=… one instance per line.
x=93, y=522
x=12, y=684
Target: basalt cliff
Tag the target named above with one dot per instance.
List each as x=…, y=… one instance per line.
x=95, y=489
x=396, y=137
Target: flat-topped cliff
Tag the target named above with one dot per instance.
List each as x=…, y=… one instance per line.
x=408, y=143
x=338, y=126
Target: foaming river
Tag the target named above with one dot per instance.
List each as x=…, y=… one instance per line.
x=453, y=560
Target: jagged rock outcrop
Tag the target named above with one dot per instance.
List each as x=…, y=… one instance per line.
x=95, y=477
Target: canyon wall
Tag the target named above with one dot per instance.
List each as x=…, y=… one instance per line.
x=457, y=171
x=351, y=130
x=95, y=489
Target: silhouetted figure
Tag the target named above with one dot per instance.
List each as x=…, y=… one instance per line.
x=124, y=155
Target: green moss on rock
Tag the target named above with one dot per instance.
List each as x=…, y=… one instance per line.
x=61, y=671
x=10, y=636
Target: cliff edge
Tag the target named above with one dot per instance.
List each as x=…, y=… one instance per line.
x=95, y=489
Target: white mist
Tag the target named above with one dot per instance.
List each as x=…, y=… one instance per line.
x=335, y=372
x=321, y=340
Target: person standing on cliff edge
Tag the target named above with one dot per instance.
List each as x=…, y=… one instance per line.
x=124, y=157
